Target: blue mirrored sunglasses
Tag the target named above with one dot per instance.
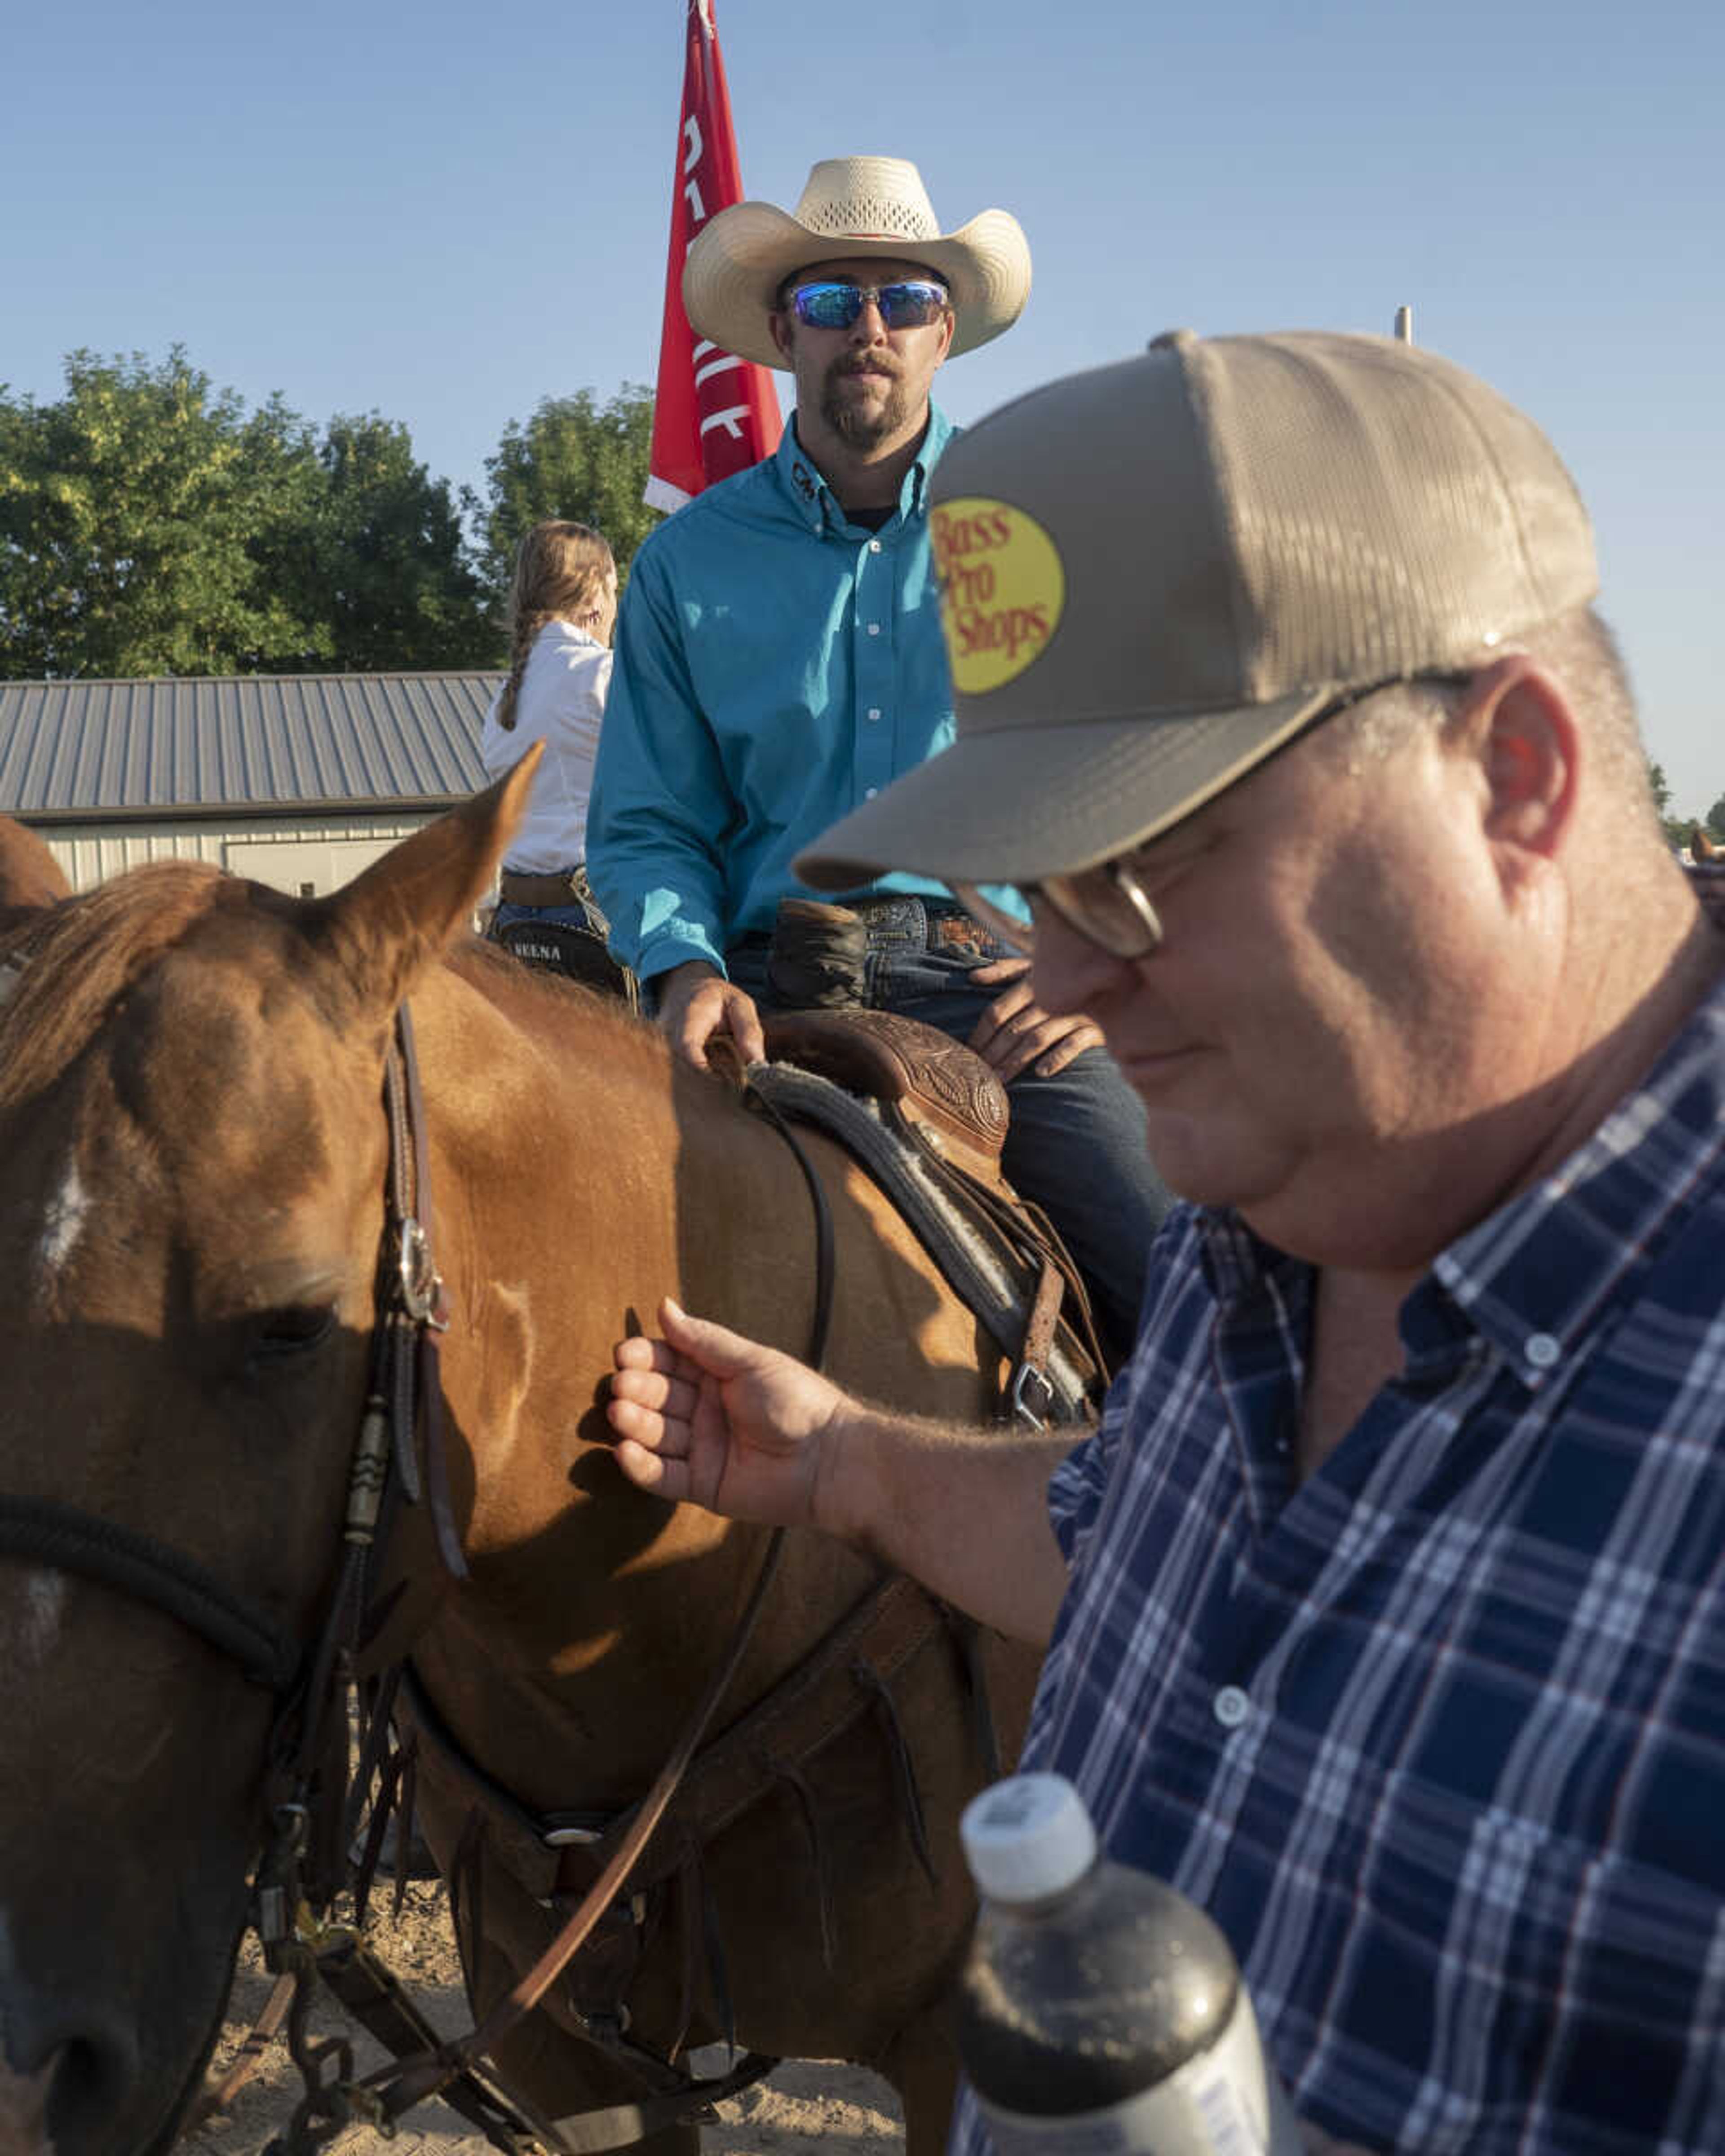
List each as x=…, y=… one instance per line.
x=909, y=305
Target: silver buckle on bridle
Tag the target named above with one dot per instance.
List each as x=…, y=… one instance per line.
x=421, y=1283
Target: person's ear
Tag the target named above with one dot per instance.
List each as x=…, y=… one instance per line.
x=1531, y=750
x=780, y=323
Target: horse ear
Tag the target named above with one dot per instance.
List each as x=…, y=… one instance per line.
x=397, y=916
x=30, y=877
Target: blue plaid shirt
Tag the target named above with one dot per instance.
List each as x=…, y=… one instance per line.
x=1438, y=1737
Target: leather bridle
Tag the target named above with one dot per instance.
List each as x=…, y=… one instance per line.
x=59, y=1537
x=402, y=1408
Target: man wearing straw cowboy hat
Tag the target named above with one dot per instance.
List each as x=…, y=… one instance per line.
x=1387, y=1606
x=779, y=660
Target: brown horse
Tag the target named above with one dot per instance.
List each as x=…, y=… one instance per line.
x=193, y=1159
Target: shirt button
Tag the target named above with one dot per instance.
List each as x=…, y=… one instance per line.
x=1230, y=1707
x=1542, y=1350
x=873, y=711
x=874, y=546
x=873, y=629
x=870, y=791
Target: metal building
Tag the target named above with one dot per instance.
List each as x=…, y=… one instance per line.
x=296, y=780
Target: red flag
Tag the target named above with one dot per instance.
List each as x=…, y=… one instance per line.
x=713, y=413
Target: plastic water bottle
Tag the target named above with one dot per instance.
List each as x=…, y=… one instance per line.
x=1101, y=2013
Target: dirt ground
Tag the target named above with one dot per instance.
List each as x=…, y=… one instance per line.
x=839, y=2110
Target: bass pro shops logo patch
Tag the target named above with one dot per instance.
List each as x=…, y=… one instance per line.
x=1003, y=587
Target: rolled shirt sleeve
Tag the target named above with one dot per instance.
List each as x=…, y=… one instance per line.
x=661, y=804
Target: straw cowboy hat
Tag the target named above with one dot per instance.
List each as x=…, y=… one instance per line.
x=851, y=206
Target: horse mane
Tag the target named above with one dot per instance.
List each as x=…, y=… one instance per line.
x=84, y=955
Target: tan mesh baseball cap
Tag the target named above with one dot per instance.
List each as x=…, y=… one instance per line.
x=1155, y=574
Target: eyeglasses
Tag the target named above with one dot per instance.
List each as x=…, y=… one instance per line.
x=1107, y=905
x=909, y=305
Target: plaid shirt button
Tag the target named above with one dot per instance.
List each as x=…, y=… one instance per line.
x=1542, y=1350
x=1230, y=1707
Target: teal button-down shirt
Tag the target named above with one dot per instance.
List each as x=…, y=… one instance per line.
x=776, y=666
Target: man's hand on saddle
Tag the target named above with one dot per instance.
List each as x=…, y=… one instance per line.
x=706, y=1416
x=1015, y=1031
x=698, y=1006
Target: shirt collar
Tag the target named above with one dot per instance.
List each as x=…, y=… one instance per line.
x=818, y=506
x=1531, y=1276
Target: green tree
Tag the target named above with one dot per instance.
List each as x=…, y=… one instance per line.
x=1716, y=819
x=125, y=511
x=1677, y=828
x=373, y=562
x=575, y=459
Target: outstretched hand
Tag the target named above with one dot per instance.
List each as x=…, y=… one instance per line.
x=706, y=1416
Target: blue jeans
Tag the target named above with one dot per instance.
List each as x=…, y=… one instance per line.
x=1075, y=1144
x=574, y=915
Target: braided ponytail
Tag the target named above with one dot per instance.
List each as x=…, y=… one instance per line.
x=560, y=572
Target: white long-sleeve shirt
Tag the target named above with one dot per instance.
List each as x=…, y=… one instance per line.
x=561, y=701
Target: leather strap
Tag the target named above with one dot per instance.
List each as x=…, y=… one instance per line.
x=816, y=1703
x=1033, y=1392
x=41, y=1531
x=584, y=2132
x=976, y=1237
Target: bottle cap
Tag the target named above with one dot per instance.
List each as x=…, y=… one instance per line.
x=1027, y=1838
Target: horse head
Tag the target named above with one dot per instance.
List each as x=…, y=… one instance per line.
x=192, y=1159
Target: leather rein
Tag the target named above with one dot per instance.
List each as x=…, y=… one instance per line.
x=459, y=2070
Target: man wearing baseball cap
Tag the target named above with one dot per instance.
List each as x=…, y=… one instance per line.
x=1387, y=1607
x=779, y=660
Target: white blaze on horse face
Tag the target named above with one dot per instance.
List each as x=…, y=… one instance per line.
x=41, y=1597
x=62, y=1222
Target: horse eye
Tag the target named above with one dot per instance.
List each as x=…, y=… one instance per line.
x=291, y=1330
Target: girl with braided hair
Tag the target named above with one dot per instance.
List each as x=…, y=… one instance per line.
x=563, y=605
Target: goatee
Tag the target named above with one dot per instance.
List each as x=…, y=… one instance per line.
x=863, y=426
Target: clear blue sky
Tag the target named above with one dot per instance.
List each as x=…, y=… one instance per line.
x=446, y=214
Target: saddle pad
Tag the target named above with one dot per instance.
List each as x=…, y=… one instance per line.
x=975, y=1259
